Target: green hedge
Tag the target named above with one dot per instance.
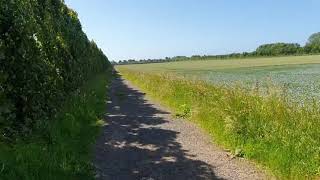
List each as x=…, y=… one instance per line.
x=44, y=56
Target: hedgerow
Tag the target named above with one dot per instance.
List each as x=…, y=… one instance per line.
x=44, y=56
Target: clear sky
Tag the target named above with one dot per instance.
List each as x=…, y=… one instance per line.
x=142, y=29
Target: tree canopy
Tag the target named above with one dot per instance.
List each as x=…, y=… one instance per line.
x=277, y=49
x=314, y=38
x=313, y=44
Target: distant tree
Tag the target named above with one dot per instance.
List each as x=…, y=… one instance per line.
x=277, y=49
x=132, y=61
x=245, y=54
x=313, y=44
x=195, y=57
x=314, y=38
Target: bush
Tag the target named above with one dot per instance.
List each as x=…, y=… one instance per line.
x=44, y=55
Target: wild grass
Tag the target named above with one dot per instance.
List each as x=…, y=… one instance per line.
x=62, y=148
x=300, y=75
x=282, y=136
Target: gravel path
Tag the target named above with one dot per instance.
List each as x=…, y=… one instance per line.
x=141, y=141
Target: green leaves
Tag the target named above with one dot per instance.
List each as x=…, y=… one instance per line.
x=277, y=49
x=313, y=44
x=314, y=38
x=44, y=56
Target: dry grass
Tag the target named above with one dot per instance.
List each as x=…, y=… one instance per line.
x=203, y=65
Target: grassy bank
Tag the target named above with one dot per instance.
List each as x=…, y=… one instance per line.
x=281, y=136
x=62, y=148
x=298, y=75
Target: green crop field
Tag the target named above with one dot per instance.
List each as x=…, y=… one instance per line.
x=298, y=76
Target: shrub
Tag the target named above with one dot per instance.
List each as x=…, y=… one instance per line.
x=44, y=55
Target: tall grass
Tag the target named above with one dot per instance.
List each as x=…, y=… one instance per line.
x=279, y=135
x=62, y=148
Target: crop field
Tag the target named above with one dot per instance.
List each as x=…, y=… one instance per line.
x=276, y=131
x=298, y=76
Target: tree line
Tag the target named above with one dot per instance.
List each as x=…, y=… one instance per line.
x=44, y=56
x=275, y=49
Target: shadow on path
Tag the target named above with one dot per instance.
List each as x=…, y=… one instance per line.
x=136, y=145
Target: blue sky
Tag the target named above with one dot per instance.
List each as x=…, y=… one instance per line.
x=142, y=29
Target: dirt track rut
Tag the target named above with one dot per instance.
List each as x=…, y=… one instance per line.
x=141, y=141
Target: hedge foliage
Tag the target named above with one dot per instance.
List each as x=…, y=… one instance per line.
x=44, y=56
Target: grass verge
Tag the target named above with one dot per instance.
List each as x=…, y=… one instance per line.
x=61, y=149
x=279, y=135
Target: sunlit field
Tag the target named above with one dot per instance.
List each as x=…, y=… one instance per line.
x=159, y=90
x=297, y=77
x=224, y=98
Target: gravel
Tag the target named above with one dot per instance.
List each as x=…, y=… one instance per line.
x=142, y=141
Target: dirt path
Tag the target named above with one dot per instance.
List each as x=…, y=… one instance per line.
x=141, y=141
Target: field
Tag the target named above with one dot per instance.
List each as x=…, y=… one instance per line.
x=298, y=77
x=272, y=130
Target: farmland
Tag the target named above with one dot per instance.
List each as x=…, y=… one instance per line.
x=160, y=105
x=298, y=76
x=271, y=129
